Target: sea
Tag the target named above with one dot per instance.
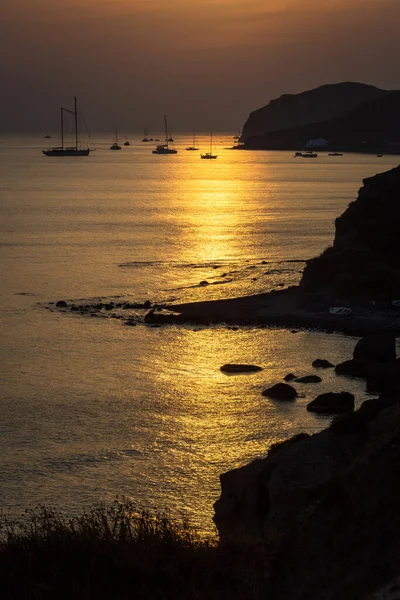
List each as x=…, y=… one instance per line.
x=92, y=410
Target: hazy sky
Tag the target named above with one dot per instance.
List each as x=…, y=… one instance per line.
x=206, y=63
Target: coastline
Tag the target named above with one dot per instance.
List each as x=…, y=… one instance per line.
x=289, y=308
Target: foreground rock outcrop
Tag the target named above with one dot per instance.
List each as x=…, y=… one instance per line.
x=327, y=506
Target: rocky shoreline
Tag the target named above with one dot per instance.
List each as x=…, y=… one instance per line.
x=290, y=308
x=326, y=506
x=360, y=272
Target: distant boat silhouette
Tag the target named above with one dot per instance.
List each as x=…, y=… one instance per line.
x=127, y=142
x=68, y=150
x=47, y=137
x=193, y=147
x=145, y=139
x=115, y=145
x=164, y=148
x=209, y=155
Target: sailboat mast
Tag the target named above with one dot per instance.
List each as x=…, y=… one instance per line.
x=76, y=124
x=211, y=142
x=62, y=128
x=166, y=129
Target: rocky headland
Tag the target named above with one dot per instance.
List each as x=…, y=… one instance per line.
x=360, y=271
x=349, y=116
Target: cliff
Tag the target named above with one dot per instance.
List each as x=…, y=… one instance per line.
x=373, y=126
x=313, y=106
x=326, y=506
x=363, y=265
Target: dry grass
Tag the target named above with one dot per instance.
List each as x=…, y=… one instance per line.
x=116, y=553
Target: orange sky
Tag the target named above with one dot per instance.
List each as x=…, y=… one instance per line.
x=205, y=62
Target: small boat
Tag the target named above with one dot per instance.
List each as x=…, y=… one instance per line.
x=335, y=154
x=47, y=137
x=145, y=139
x=68, y=150
x=379, y=155
x=127, y=142
x=164, y=148
x=115, y=145
x=209, y=155
x=309, y=154
x=298, y=154
x=193, y=147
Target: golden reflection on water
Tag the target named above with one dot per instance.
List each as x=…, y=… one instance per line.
x=91, y=408
x=211, y=202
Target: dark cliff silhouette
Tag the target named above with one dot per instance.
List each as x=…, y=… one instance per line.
x=351, y=116
x=363, y=262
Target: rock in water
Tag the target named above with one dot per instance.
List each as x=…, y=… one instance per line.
x=281, y=391
x=376, y=348
x=238, y=368
x=322, y=363
x=332, y=403
x=352, y=368
x=309, y=379
x=290, y=377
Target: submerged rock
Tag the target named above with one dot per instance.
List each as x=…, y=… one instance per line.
x=309, y=379
x=239, y=368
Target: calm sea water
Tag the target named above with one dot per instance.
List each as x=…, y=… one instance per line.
x=90, y=408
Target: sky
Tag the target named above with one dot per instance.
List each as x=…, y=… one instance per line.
x=206, y=63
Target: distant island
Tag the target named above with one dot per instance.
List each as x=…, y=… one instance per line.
x=350, y=116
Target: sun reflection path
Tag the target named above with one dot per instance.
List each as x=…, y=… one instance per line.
x=216, y=207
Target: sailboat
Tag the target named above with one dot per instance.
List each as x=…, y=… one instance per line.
x=193, y=147
x=127, y=142
x=145, y=139
x=115, y=145
x=68, y=150
x=209, y=154
x=164, y=148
